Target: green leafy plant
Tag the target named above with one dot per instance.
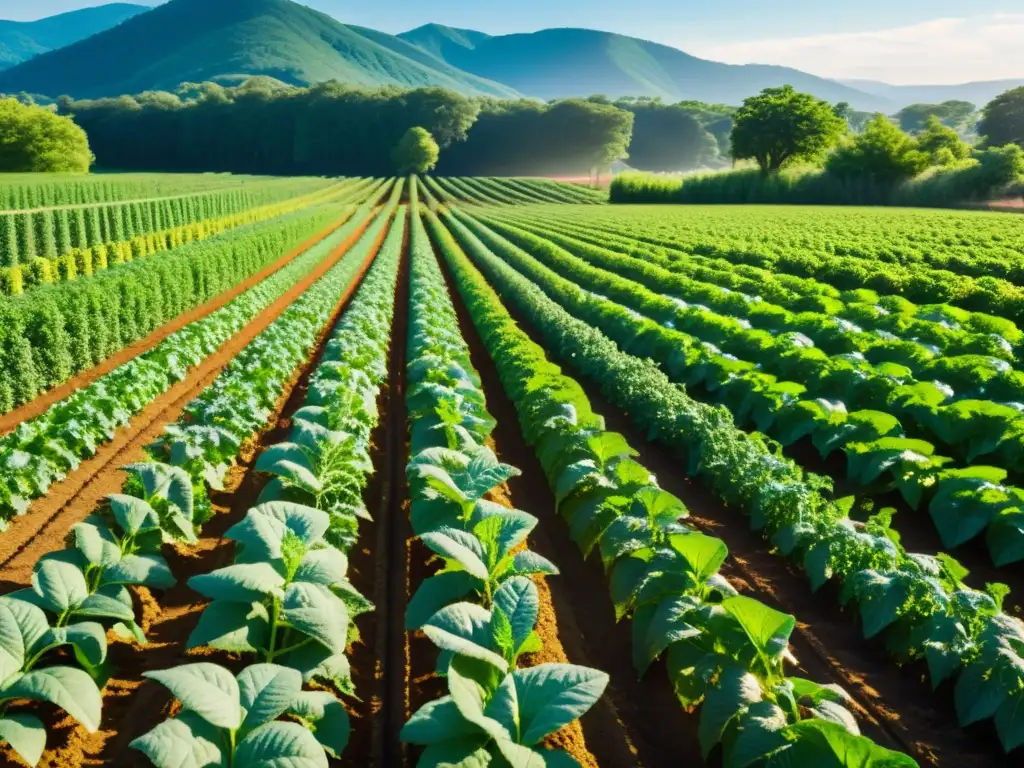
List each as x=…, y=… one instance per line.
x=286, y=598
x=232, y=721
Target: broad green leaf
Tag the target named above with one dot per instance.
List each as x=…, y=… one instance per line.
x=283, y=452
x=60, y=585
x=316, y=662
x=437, y=722
x=466, y=752
x=171, y=483
x=103, y=606
x=658, y=506
x=1010, y=722
x=240, y=583
x=760, y=734
x=148, y=570
x=88, y=639
x=25, y=734
x=267, y=691
x=186, y=741
x=280, y=744
x=462, y=547
x=464, y=629
x=32, y=623
x=735, y=690
x=469, y=697
x=434, y=594
x=667, y=625
x=327, y=717
x=828, y=745
x=704, y=554
x=12, y=644
x=70, y=689
x=96, y=543
x=519, y=601
x=206, y=689
x=768, y=629
x=326, y=567
x=318, y=613
x=132, y=514
x=553, y=695
x=232, y=627
x=527, y=563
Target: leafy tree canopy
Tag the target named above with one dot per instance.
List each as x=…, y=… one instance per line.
x=882, y=153
x=942, y=143
x=780, y=125
x=417, y=152
x=1003, y=119
x=35, y=139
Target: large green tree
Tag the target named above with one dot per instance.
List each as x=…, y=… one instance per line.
x=882, y=153
x=417, y=152
x=942, y=143
x=781, y=126
x=1002, y=121
x=36, y=139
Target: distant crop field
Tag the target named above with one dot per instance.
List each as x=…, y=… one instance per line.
x=466, y=471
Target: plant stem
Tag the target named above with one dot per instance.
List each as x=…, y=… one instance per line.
x=291, y=648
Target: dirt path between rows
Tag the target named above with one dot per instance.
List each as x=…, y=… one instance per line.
x=132, y=705
x=392, y=536
x=43, y=402
x=896, y=706
x=43, y=528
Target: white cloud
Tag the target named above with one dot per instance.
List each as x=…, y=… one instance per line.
x=940, y=51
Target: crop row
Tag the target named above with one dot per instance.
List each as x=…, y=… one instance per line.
x=44, y=450
x=481, y=609
x=976, y=265
x=779, y=302
x=124, y=241
x=46, y=190
x=78, y=594
x=918, y=602
x=504, y=191
x=51, y=335
x=286, y=601
x=796, y=391
x=725, y=652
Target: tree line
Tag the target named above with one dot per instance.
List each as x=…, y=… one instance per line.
x=879, y=162
x=264, y=126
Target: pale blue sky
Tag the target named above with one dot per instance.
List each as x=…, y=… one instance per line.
x=895, y=40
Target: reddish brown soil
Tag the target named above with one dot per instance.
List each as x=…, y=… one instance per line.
x=570, y=738
x=42, y=403
x=896, y=706
x=132, y=705
x=378, y=569
x=48, y=520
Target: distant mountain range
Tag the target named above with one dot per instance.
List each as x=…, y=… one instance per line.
x=121, y=48
x=21, y=40
x=978, y=93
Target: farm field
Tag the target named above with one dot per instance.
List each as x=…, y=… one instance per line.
x=485, y=472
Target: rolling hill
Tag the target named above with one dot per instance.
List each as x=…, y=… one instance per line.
x=21, y=40
x=196, y=40
x=119, y=48
x=555, y=63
